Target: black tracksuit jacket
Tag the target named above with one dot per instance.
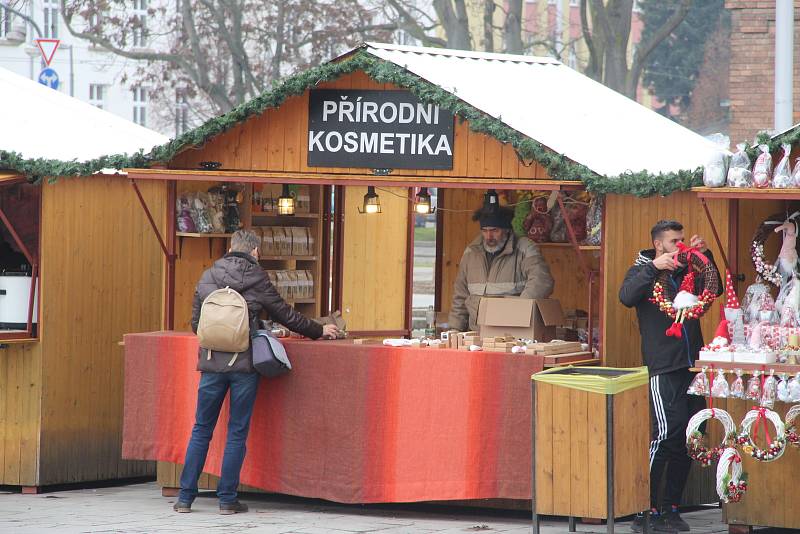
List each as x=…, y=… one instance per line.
x=661, y=353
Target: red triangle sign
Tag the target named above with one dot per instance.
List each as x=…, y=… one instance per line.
x=48, y=49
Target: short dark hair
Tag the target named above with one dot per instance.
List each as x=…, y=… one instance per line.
x=664, y=226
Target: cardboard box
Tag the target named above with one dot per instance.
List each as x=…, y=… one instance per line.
x=520, y=318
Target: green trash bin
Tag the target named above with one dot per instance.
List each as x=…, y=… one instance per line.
x=590, y=437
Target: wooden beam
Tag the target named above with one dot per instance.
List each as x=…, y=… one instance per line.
x=327, y=178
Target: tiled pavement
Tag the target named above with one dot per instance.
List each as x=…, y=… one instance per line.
x=140, y=508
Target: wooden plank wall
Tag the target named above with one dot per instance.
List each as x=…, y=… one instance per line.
x=102, y=277
x=277, y=139
x=628, y=223
x=374, y=270
x=20, y=408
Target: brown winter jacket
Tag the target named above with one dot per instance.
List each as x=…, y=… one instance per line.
x=518, y=270
x=242, y=272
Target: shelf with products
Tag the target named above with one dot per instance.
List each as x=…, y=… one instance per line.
x=567, y=245
x=288, y=258
x=290, y=243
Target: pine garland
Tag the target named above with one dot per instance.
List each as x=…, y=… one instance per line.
x=559, y=167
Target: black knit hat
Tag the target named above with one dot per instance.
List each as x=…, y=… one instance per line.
x=494, y=217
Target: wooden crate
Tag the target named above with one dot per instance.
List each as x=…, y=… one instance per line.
x=570, y=452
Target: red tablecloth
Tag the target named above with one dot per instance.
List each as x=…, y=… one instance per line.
x=350, y=423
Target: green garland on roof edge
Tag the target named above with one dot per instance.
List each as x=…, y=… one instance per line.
x=641, y=184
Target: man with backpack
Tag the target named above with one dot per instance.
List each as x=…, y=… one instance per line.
x=227, y=302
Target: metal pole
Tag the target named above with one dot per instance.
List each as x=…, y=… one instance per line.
x=610, y=463
x=534, y=515
x=71, y=73
x=784, y=43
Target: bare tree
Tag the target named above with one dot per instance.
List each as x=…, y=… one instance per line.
x=606, y=27
x=220, y=53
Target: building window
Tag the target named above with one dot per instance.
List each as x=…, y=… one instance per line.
x=140, y=106
x=50, y=18
x=97, y=95
x=181, y=113
x=140, y=23
x=574, y=3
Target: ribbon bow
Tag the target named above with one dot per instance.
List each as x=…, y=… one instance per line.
x=762, y=416
x=690, y=251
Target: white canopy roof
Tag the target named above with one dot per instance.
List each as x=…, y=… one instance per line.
x=38, y=122
x=560, y=108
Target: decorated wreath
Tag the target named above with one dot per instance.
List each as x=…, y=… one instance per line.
x=696, y=445
x=731, y=480
x=792, y=435
x=775, y=447
x=774, y=223
x=684, y=303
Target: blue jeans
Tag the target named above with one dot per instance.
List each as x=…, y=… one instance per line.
x=210, y=394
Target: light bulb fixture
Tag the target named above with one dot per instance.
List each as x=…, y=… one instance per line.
x=423, y=204
x=286, y=203
x=490, y=199
x=372, y=202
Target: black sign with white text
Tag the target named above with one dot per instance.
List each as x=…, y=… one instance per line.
x=378, y=130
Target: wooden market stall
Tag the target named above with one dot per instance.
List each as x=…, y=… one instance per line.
x=362, y=265
x=92, y=272
x=768, y=501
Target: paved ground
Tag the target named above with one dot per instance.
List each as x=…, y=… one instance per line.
x=139, y=508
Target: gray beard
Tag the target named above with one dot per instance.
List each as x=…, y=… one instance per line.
x=492, y=250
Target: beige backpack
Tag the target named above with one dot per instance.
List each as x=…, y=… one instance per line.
x=224, y=323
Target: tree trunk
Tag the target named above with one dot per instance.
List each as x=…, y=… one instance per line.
x=455, y=21
x=512, y=29
x=488, y=25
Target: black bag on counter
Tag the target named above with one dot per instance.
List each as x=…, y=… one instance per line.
x=269, y=355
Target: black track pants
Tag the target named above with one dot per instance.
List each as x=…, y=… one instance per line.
x=670, y=410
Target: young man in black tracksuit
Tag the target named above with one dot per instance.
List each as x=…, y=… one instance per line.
x=668, y=361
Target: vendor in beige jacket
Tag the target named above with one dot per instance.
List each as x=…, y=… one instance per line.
x=497, y=264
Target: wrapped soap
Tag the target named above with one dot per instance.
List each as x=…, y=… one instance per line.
x=699, y=385
x=720, y=388
x=739, y=174
x=715, y=172
x=737, y=386
x=769, y=392
x=783, y=389
x=753, y=391
x=762, y=170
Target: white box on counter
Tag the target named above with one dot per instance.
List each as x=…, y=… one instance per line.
x=755, y=357
x=725, y=356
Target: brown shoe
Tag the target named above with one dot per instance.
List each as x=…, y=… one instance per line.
x=234, y=507
x=182, y=507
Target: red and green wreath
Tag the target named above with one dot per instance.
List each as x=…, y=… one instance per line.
x=684, y=303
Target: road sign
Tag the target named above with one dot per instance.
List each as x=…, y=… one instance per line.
x=48, y=49
x=49, y=77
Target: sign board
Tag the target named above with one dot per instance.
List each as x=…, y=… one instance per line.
x=49, y=77
x=48, y=49
x=377, y=130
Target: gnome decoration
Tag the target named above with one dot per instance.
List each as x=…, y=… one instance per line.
x=684, y=300
x=733, y=312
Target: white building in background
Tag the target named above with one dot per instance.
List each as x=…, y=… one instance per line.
x=85, y=71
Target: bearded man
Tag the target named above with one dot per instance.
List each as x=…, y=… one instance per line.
x=497, y=264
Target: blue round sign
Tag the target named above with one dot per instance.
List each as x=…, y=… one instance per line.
x=49, y=77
